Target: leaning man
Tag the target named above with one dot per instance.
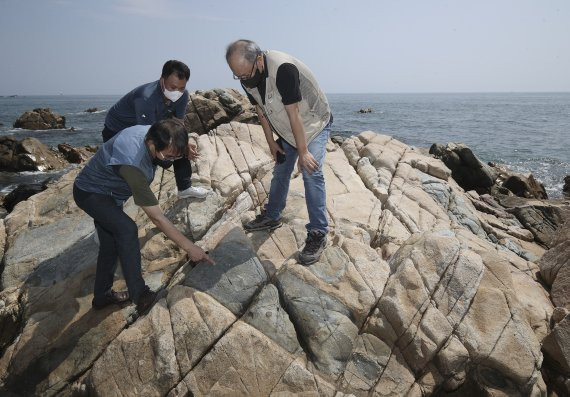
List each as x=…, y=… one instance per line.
x=289, y=103
x=123, y=167
x=164, y=98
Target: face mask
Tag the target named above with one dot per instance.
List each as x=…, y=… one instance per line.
x=253, y=81
x=172, y=95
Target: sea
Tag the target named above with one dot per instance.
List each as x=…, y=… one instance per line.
x=528, y=132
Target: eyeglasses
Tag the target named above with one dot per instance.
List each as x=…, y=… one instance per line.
x=245, y=77
x=169, y=158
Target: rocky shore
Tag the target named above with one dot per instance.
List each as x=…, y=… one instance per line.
x=426, y=288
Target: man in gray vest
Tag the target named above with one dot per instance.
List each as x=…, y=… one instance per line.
x=162, y=99
x=289, y=103
x=124, y=166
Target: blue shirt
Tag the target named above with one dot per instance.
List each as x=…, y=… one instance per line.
x=126, y=148
x=144, y=106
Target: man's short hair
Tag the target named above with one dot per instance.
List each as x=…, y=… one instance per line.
x=246, y=49
x=164, y=133
x=178, y=68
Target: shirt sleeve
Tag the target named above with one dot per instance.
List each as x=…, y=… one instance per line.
x=288, y=83
x=142, y=195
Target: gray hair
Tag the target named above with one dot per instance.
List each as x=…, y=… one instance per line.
x=246, y=49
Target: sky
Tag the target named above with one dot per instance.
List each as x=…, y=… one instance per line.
x=93, y=47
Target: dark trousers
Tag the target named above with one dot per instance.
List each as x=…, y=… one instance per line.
x=118, y=239
x=182, y=167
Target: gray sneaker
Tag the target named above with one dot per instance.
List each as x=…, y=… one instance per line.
x=314, y=246
x=262, y=222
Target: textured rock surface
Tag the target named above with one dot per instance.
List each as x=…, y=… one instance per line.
x=208, y=109
x=40, y=119
x=29, y=154
x=76, y=155
x=424, y=289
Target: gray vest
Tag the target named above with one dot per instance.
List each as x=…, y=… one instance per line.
x=126, y=148
x=313, y=108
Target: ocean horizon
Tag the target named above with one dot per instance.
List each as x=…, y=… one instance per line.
x=527, y=131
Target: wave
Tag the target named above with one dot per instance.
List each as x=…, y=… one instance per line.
x=70, y=129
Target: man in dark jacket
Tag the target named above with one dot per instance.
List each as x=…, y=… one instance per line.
x=158, y=100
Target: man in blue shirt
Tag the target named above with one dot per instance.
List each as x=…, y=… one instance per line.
x=159, y=100
x=124, y=166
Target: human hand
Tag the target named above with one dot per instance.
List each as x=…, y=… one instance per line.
x=274, y=148
x=307, y=162
x=193, y=151
x=197, y=254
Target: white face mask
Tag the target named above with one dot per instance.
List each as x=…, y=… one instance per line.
x=172, y=95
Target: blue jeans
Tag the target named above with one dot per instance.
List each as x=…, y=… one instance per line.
x=315, y=192
x=118, y=238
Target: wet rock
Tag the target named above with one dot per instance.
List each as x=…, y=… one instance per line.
x=525, y=186
x=28, y=154
x=365, y=110
x=22, y=193
x=91, y=110
x=73, y=154
x=40, y=119
x=566, y=187
x=469, y=172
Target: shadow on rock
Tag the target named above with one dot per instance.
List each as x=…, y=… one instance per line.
x=62, y=335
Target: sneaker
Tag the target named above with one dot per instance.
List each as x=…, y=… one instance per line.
x=262, y=222
x=192, y=191
x=314, y=246
x=145, y=301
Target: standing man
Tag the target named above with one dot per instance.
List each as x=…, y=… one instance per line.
x=159, y=100
x=124, y=166
x=290, y=103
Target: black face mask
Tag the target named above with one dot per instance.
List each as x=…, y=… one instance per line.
x=253, y=81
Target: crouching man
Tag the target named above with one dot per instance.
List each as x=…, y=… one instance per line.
x=124, y=166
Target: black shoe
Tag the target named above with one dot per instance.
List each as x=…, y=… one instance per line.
x=145, y=301
x=111, y=297
x=262, y=222
x=314, y=246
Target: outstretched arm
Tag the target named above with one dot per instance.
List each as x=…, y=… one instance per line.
x=157, y=217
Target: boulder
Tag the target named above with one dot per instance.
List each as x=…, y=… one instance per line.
x=23, y=192
x=28, y=154
x=566, y=187
x=525, y=186
x=541, y=217
x=208, y=109
x=365, y=110
x=91, y=110
x=555, y=265
x=40, y=119
x=75, y=155
x=467, y=170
